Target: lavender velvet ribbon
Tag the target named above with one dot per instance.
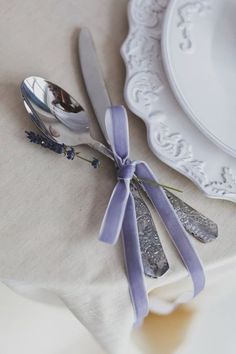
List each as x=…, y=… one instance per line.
x=120, y=215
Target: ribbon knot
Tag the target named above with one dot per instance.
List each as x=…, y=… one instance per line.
x=127, y=171
x=120, y=215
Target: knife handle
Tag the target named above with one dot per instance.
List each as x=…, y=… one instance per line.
x=154, y=260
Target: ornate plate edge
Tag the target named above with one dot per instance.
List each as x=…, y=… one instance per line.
x=213, y=189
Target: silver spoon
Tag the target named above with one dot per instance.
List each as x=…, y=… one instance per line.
x=58, y=115
x=62, y=119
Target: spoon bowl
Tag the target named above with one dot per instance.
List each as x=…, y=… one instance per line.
x=57, y=114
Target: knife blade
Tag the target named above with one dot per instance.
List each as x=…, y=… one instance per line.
x=153, y=257
x=93, y=78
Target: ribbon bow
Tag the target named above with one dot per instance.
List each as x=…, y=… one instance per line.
x=120, y=215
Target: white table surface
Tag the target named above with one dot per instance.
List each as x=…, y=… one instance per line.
x=37, y=196
x=47, y=327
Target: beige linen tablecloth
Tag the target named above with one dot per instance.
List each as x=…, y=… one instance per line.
x=51, y=208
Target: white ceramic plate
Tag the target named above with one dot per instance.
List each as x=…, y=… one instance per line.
x=171, y=135
x=199, y=53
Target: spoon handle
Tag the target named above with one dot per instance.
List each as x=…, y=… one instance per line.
x=96, y=145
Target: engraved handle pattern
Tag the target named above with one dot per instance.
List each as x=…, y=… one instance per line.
x=196, y=224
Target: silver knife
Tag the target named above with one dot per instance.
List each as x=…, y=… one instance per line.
x=153, y=257
x=202, y=228
x=154, y=260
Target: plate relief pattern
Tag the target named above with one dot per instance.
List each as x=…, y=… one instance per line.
x=145, y=87
x=186, y=13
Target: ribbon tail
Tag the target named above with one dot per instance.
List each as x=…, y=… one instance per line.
x=174, y=227
x=114, y=215
x=134, y=263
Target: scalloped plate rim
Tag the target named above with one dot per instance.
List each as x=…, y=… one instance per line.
x=186, y=105
x=231, y=196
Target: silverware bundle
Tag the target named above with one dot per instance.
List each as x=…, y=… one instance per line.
x=72, y=128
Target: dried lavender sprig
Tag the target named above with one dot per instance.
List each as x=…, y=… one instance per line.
x=95, y=162
x=45, y=142
x=156, y=184
x=68, y=151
